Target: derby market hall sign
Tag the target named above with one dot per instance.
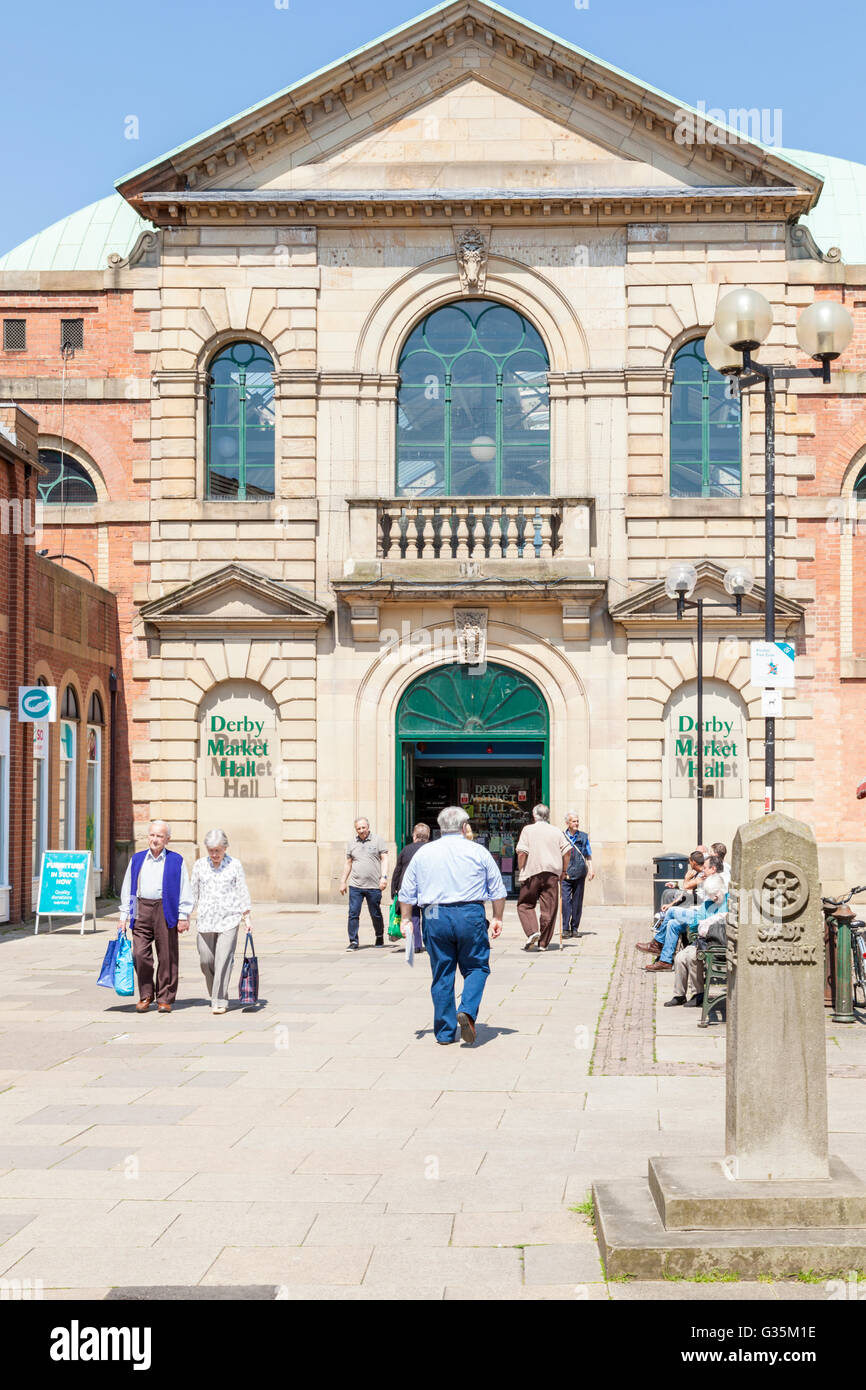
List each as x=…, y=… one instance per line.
x=240, y=755
x=721, y=744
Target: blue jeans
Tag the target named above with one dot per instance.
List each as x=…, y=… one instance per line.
x=373, y=898
x=456, y=938
x=572, y=902
x=669, y=929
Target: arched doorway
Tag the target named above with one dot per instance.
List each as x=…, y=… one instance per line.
x=476, y=737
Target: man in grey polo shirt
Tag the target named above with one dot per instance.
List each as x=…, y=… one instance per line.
x=365, y=875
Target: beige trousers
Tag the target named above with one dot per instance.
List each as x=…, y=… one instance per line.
x=688, y=972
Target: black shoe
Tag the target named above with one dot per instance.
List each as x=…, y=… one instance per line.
x=380, y=941
x=467, y=1028
x=677, y=999
x=695, y=1002
x=567, y=933
x=352, y=946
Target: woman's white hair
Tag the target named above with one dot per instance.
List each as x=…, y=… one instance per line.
x=214, y=838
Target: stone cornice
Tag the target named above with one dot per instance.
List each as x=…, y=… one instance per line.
x=578, y=207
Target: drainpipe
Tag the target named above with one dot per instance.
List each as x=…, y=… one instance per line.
x=112, y=774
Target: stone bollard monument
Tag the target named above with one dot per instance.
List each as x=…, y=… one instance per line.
x=776, y=1203
x=776, y=1094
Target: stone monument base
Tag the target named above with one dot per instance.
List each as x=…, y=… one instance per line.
x=690, y=1218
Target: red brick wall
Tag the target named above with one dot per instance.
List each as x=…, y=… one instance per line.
x=839, y=705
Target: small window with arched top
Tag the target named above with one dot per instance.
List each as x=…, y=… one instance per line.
x=705, y=428
x=240, y=425
x=66, y=482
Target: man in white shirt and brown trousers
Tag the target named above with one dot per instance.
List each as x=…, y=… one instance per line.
x=543, y=855
x=157, y=899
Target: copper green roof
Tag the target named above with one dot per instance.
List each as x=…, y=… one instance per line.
x=82, y=241
x=839, y=216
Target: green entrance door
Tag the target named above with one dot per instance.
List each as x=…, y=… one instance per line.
x=476, y=740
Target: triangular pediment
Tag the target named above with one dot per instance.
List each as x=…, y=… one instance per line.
x=469, y=138
x=232, y=597
x=466, y=96
x=650, y=607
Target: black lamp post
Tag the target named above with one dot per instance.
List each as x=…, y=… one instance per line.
x=743, y=321
x=679, y=584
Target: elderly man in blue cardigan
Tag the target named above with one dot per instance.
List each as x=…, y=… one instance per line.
x=156, y=899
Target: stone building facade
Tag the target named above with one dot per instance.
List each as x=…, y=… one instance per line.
x=294, y=644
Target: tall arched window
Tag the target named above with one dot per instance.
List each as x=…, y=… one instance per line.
x=240, y=424
x=705, y=428
x=67, y=481
x=473, y=410
x=860, y=485
x=93, y=809
x=68, y=769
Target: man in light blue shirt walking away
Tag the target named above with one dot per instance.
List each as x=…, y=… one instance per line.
x=451, y=879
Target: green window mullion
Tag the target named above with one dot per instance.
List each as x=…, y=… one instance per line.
x=447, y=479
x=499, y=431
x=242, y=434
x=705, y=430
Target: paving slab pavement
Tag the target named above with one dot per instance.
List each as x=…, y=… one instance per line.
x=323, y=1146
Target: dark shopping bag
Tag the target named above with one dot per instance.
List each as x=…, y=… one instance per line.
x=124, y=971
x=248, y=991
x=109, y=960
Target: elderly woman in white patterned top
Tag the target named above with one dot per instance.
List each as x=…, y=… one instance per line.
x=223, y=901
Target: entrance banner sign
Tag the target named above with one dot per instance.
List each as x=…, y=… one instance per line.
x=773, y=664
x=36, y=702
x=66, y=886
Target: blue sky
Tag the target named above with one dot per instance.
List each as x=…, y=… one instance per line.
x=73, y=73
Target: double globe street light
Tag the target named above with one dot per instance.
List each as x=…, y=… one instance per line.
x=742, y=323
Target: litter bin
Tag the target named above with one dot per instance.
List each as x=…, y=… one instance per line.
x=667, y=866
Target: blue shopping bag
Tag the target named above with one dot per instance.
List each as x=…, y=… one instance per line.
x=106, y=974
x=124, y=973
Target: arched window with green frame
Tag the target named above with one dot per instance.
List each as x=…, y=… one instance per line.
x=473, y=409
x=860, y=485
x=240, y=424
x=705, y=428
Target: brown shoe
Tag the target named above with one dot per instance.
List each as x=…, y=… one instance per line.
x=467, y=1028
x=166, y=1008
x=143, y=1005
x=652, y=947
x=656, y=965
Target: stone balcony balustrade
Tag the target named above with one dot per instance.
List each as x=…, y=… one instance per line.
x=527, y=529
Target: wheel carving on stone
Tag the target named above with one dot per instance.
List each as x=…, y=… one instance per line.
x=782, y=891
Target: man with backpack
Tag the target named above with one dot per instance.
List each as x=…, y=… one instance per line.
x=578, y=873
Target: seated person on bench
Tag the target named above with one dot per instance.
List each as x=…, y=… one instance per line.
x=688, y=967
x=671, y=925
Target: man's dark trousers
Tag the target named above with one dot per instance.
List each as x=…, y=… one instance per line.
x=456, y=938
x=149, y=927
x=572, y=903
x=373, y=899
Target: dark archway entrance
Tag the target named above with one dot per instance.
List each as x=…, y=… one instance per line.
x=477, y=738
